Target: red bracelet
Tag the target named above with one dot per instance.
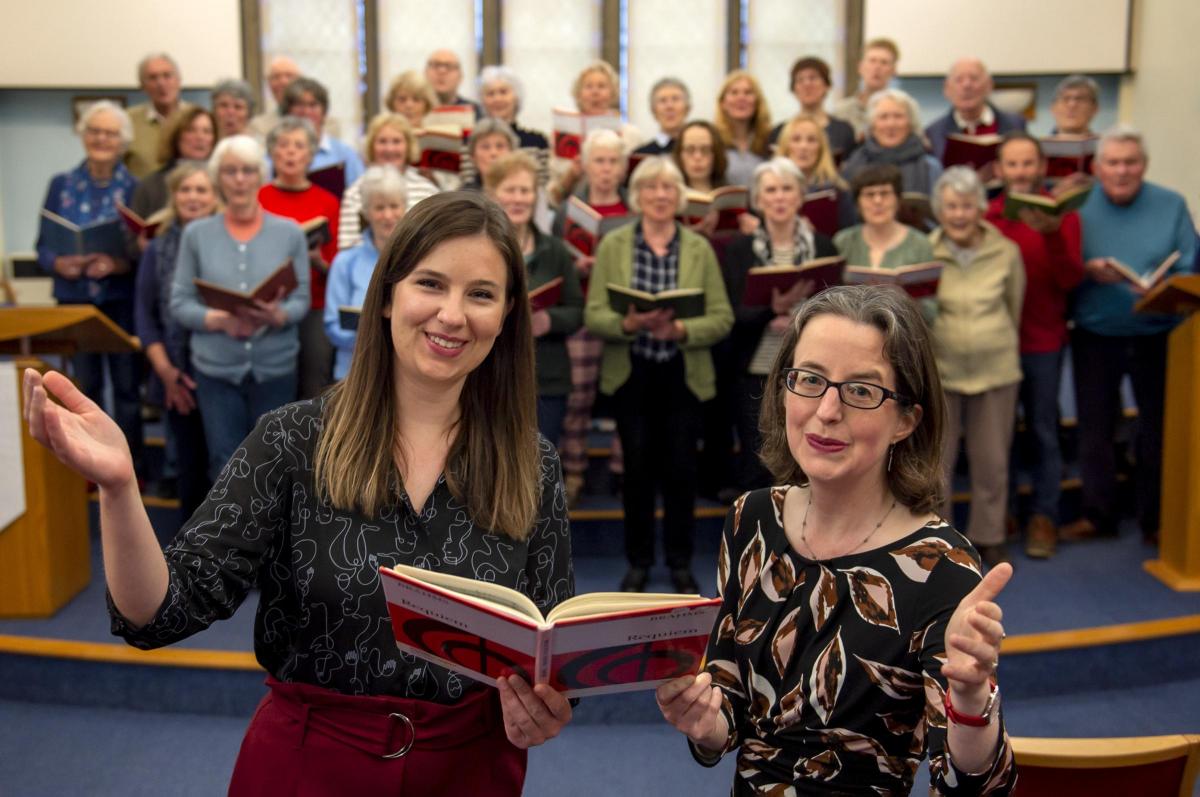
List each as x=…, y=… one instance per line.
x=970, y=720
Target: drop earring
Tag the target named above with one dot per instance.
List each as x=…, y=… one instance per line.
x=891, y=451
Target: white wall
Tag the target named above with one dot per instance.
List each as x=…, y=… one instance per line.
x=1160, y=97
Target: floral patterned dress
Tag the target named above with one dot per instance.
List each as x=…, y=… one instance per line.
x=831, y=670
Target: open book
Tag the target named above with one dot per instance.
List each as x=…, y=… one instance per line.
x=821, y=210
x=219, y=297
x=67, y=238
x=572, y=127
x=686, y=302
x=316, y=231
x=348, y=317
x=583, y=227
x=546, y=295
x=1068, y=154
x=1055, y=204
x=760, y=281
x=590, y=644
x=974, y=151
x=139, y=226
x=331, y=178
x=440, y=149
x=1145, y=281
x=451, y=117
x=730, y=202
x=919, y=279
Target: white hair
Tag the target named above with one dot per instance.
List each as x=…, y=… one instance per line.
x=656, y=167
x=601, y=139
x=123, y=120
x=382, y=180
x=242, y=148
x=496, y=73
x=962, y=180
x=142, y=64
x=895, y=95
x=1120, y=133
x=783, y=168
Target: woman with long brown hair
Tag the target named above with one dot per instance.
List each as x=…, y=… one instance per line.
x=426, y=454
x=744, y=120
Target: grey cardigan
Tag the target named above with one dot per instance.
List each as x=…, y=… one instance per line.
x=210, y=253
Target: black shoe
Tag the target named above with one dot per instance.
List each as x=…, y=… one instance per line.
x=684, y=581
x=635, y=580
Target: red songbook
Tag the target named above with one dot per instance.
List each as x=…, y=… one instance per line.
x=572, y=127
x=220, y=297
x=137, y=225
x=331, y=178
x=730, y=202
x=761, y=281
x=447, y=118
x=821, y=210
x=1066, y=155
x=584, y=227
x=590, y=644
x=974, y=151
x=919, y=279
x=546, y=296
x=441, y=150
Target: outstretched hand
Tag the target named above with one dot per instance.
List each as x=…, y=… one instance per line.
x=973, y=637
x=79, y=433
x=532, y=715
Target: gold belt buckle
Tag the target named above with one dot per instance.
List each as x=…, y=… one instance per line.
x=412, y=737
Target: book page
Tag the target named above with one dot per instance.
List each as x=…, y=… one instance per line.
x=508, y=600
x=596, y=603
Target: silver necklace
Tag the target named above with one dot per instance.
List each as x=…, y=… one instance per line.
x=808, y=545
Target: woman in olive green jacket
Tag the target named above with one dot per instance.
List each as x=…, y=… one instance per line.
x=976, y=343
x=658, y=368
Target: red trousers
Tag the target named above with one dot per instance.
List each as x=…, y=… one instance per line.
x=308, y=741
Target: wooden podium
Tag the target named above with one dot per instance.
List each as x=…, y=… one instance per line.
x=46, y=552
x=1178, y=562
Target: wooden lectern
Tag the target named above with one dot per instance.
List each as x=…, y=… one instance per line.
x=46, y=552
x=1178, y=562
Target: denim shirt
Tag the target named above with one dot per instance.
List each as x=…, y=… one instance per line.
x=349, y=277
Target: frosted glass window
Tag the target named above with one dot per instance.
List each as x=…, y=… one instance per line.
x=322, y=36
x=547, y=43
x=779, y=33
x=686, y=41
x=409, y=31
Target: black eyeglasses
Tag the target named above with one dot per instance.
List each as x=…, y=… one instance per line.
x=860, y=395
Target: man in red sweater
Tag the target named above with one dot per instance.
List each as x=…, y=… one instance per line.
x=1050, y=247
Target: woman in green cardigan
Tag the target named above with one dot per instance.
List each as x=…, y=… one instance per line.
x=658, y=367
x=512, y=182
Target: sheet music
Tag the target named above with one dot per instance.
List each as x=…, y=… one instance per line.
x=12, y=465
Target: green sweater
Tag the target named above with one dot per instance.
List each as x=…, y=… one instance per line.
x=548, y=260
x=698, y=268
x=912, y=250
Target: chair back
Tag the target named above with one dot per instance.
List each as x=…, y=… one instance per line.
x=1148, y=766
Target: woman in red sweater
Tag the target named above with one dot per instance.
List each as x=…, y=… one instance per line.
x=291, y=146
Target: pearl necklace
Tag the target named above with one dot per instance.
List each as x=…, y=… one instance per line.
x=807, y=544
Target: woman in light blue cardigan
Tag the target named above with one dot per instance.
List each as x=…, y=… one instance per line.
x=245, y=362
x=384, y=194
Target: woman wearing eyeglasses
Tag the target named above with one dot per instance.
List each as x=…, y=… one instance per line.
x=856, y=635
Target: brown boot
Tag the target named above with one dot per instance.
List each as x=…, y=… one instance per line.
x=1041, y=537
x=1081, y=529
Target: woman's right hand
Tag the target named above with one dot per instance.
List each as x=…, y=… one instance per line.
x=693, y=706
x=583, y=265
x=79, y=433
x=70, y=266
x=180, y=391
x=232, y=325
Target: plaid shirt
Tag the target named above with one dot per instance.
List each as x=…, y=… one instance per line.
x=654, y=274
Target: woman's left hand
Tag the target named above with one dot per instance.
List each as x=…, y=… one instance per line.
x=532, y=716
x=973, y=639
x=101, y=266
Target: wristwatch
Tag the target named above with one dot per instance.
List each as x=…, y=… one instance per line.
x=980, y=721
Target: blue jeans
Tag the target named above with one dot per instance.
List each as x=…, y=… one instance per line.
x=1039, y=404
x=230, y=411
x=551, y=410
